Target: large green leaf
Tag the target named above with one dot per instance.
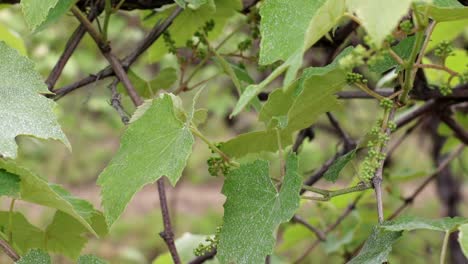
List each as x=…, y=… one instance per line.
x=24, y=111
x=377, y=247
x=40, y=13
x=35, y=256
x=254, y=209
x=25, y=235
x=36, y=190
x=290, y=27
x=189, y=21
x=9, y=184
x=463, y=238
x=156, y=144
x=444, y=10
x=379, y=17
x=411, y=223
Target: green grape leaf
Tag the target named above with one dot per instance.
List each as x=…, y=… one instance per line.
x=403, y=49
x=12, y=39
x=463, y=238
x=155, y=145
x=377, y=247
x=334, y=171
x=35, y=256
x=291, y=27
x=190, y=21
x=444, y=10
x=21, y=99
x=38, y=14
x=254, y=142
x=411, y=223
x=185, y=246
x=36, y=190
x=379, y=17
x=9, y=184
x=254, y=209
x=90, y=259
x=25, y=235
x=65, y=235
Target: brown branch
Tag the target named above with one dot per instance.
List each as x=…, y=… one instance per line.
x=70, y=48
x=349, y=144
x=200, y=259
x=117, y=104
x=150, y=38
x=316, y=231
x=167, y=234
x=9, y=250
x=459, y=131
x=106, y=50
x=349, y=209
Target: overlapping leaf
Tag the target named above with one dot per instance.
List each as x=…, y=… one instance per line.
x=156, y=144
x=37, y=190
x=379, y=17
x=254, y=209
x=23, y=109
x=463, y=238
x=444, y=10
x=90, y=259
x=40, y=13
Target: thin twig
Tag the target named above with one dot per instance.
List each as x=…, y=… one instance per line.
x=459, y=131
x=117, y=104
x=348, y=142
x=320, y=235
x=9, y=250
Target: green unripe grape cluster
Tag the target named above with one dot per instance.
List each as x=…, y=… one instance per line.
x=374, y=156
x=386, y=103
x=443, y=49
x=445, y=89
x=352, y=77
x=218, y=166
x=406, y=26
x=244, y=45
x=202, y=249
x=170, y=43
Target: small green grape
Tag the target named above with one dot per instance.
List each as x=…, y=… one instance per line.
x=352, y=77
x=386, y=103
x=443, y=49
x=406, y=26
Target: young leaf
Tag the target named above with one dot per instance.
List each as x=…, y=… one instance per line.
x=9, y=184
x=40, y=13
x=23, y=109
x=36, y=190
x=463, y=238
x=408, y=223
x=379, y=17
x=90, y=259
x=334, y=171
x=25, y=235
x=377, y=247
x=35, y=256
x=189, y=21
x=254, y=209
x=155, y=145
